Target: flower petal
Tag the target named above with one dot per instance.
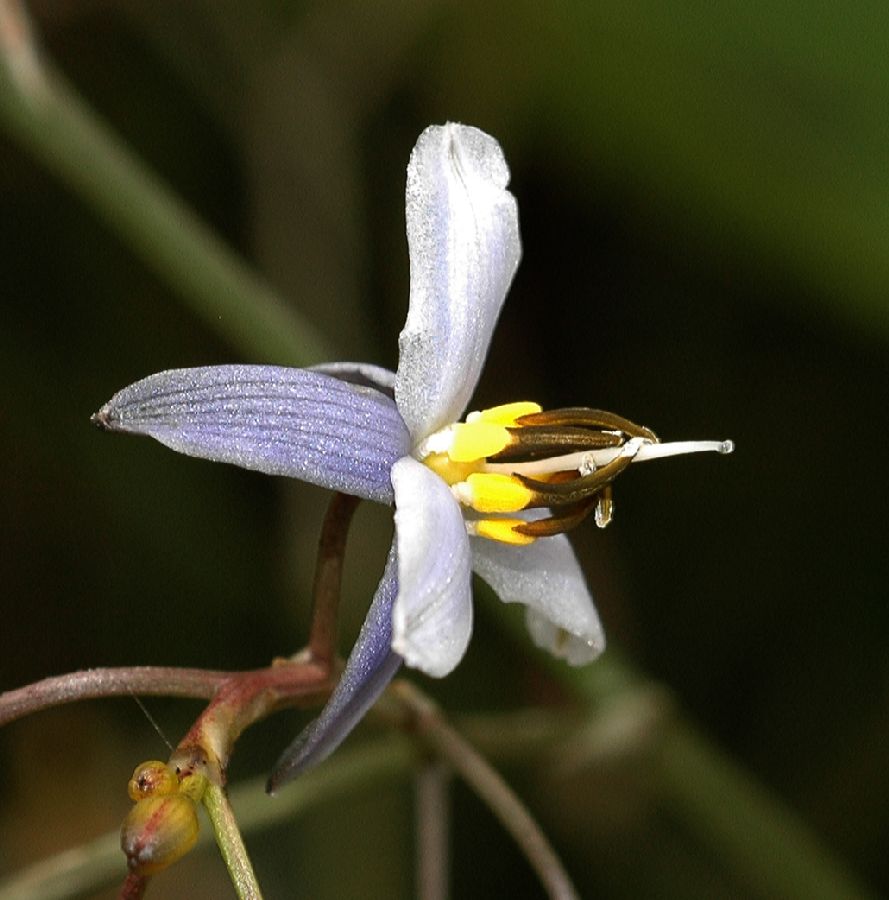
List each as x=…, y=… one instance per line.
x=279, y=421
x=366, y=374
x=547, y=579
x=432, y=618
x=463, y=237
x=370, y=667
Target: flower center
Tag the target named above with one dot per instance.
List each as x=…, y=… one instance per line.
x=517, y=457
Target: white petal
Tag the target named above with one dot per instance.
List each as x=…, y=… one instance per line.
x=432, y=619
x=365, y=374
x=463, y=237
x=546, y=577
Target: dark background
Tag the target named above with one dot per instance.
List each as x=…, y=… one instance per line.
x=704, y=202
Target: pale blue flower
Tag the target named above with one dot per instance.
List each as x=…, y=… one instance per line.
x=388, y=437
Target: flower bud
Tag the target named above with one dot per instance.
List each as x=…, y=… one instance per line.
x=152, y=778
x=158, y=831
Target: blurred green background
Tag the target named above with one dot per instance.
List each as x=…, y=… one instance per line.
x=704, y=201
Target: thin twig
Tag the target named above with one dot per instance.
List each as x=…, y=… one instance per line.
x=488, y=784
x=433, y=814
x=158, y=681
x=329, y=576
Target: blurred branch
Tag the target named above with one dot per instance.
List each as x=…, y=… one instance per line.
x=432, y=796
x=485, y=781
x=768, y=846
x=45, y=115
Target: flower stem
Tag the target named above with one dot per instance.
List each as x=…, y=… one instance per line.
x=242, y=700
x=230, y=842
x=328, y=578
x=159, y=681
x=133, y=887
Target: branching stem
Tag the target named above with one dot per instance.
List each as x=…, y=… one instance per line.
x=431, y=726
x=157, y=681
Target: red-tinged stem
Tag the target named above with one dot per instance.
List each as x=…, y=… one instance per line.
x=242, y=700
x=133, y=887
x=329, y=576
x=160, y=681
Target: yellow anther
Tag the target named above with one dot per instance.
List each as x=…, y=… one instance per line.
x=449, y=471
x=502, y=530
x=477, y=440
x=505, y=414
x=489, y=493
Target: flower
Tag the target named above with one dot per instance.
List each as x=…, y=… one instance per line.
x=491, y=494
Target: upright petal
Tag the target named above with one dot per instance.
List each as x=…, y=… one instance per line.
x=370, y=667
x=432, y=618
x=463, y=237
x=547, y=579
x=279, y=421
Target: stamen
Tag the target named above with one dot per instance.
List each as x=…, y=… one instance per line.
x=477, y=440
x=589, y=418
x=564, y=520
x=503, y=530
x=516, y=456
x=541, y=441
x=493, y=493
x=505, y=414
x=585, y=486
x=450, y=472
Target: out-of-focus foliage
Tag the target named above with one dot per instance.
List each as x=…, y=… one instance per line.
x=704, y=194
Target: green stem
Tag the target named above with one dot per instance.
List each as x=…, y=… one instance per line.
x=47, y=117
x=231, y=844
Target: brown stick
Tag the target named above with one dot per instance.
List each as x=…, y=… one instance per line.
x=328, y=578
